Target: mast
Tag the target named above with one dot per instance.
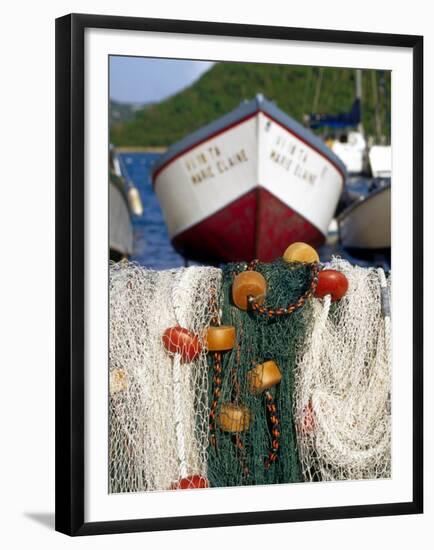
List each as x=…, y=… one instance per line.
x=378, y=129
x=317, y=90
x=359, y=96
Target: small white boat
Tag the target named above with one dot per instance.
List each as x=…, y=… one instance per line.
x=248, y=184
x=352, y=151
x=365, y=224
x=380, y=160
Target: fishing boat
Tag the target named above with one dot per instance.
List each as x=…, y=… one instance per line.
x=365, y=223
x=380, y=160
x=246, y=185
x=351, y=149
x=346, y=137
x=347, y=140
x=124, y=200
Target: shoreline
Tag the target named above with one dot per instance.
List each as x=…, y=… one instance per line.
x=138, y=149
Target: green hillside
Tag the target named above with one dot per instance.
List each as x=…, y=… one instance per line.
x=296, y=90
x=123, y=112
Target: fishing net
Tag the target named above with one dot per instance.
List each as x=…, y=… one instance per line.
x=342, y=381
x=183, y=416
x=266, y=451
x=158, y=408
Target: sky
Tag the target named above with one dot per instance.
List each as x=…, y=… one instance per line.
x=143, y=80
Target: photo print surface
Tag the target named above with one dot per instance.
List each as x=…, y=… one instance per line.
x=250, y=274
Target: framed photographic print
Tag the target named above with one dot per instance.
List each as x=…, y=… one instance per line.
x=238, y=274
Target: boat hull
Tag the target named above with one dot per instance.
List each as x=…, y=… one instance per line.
x=366, y=223
x=120, y=227
x=257, y=225
x=248, y=189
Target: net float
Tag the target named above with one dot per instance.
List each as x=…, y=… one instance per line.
x=219, y=338
x=331, y=282
x=182, y=341
x=263, y=376
x=300, y=252
x=234, y=418
x=307, y=422
x=191, y=482
x=118, y=381
x=248, y=283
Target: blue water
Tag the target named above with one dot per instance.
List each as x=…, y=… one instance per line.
x=152, y=247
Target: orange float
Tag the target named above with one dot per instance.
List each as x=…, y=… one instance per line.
x=248, y=283
x=220, y=338
x=234, y=418
x=263, y=376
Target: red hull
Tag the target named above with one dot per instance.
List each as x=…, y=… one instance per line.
x=257, y=225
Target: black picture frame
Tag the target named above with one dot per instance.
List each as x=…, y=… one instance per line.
x=70, y=286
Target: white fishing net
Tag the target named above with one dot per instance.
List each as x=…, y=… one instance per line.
x=342, y=382
x=158, y=404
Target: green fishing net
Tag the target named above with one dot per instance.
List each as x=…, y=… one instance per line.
x=240, y=458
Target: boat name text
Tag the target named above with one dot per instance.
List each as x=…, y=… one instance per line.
x=293, y=157
x=210, y=162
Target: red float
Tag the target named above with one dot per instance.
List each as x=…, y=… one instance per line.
x=191, y=482
x=181, y=340
x=331, y=282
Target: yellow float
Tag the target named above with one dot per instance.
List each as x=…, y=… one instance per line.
x=234, y=418
x=118, y=381
x=300, y=252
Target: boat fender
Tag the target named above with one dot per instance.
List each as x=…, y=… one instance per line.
x=135, y=201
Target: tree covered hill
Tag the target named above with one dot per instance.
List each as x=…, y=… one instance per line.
x=124, y=112
x=296, y=90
